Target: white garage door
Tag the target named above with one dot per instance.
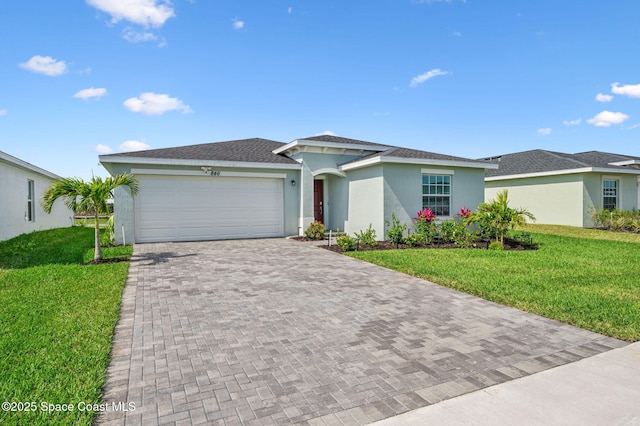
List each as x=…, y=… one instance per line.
x=186, y=208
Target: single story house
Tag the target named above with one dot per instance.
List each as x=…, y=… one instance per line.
x=21, y=187
x=262, y=188
x=565, y=189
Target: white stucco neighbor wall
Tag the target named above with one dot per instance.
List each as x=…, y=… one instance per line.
x=14, y=175
x=553, y=200
x=565, y=199
x=627, y=197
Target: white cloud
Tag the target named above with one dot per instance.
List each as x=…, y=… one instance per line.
x=545, y=131
x=631, y=90
x=237, y=24
x=91, y=93
x=133, y=36
x=426, y=76
x=3, y=112
x=601, y=97
x=45, y=65
x=608, y=118
x=290, y=10
x=457, y=34
x=133, y=146
x=572, y=122
x=150, y=103
x=149, y=13
x=326, y=133
x=102, y=149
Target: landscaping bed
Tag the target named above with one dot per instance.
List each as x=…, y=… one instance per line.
x=509, y=244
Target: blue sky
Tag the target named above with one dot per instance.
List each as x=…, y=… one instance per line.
x=470, y=78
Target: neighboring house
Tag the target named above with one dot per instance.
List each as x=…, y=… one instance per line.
x=261, y=188
x=21, y=187
x=564, y=189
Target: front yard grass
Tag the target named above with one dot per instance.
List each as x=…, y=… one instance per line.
x=584, y=277
x=56, y=322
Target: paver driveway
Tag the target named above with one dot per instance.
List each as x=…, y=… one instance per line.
x=278, y=332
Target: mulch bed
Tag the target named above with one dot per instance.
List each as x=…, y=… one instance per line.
x=509, y=244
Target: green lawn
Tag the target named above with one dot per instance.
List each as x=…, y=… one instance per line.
x=56, y=322
x=583, y=277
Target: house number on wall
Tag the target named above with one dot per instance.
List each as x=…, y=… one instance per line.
x=215, y=173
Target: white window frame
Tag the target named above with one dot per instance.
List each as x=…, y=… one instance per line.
x=30, y=215
x=438, y=173
x=618, y=190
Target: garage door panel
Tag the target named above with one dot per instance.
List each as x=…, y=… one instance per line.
x=180, y=208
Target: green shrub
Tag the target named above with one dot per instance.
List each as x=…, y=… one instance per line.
x=413, y=239
x=315, y=231
x=495, y=217
x=496, y=245
x=616, y=220
x=346, y=242
x=396, y=229
x=425, y=230
x=368, y=237
x=456, y=231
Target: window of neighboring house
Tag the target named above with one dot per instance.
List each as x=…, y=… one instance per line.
x=436, y=194
x=610, y=194
x=31, y=212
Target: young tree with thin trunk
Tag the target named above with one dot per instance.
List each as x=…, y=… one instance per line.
x=91, y=196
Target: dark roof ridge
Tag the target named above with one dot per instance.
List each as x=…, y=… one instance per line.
x=340, y=139
x=568, y=157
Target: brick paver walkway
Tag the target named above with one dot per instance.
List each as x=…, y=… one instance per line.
x=279, y=332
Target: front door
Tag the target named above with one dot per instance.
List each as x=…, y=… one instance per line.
x=318, y=200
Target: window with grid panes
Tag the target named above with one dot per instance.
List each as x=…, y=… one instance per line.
x=610, y=194
x=436, y=194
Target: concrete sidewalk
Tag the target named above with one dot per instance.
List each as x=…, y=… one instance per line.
x=601, y=390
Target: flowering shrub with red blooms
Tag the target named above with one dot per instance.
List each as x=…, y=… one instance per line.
x=465, y=213
x=426, y=214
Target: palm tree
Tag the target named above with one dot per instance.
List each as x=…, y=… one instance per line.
x=497, y=217
x=92, y=196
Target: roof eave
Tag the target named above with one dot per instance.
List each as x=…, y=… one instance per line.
x=337, y=145
x=564, y=172
x=28, y=166
x=419, y=161
x=194, y=162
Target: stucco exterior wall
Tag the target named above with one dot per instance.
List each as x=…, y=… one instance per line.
x=553, y=200
x=403, y=189
x=13, y=208
x=336, y=201
x=124, y=203
x=366, y=200
x=627, y=198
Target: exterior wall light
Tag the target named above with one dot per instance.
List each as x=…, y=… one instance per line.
x=293, y=182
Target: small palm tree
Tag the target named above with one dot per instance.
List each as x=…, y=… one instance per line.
x=92, y=196
x=497, y=217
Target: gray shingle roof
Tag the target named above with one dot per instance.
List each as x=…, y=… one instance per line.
x=413, y=153
x=253, y=150
x=539, y=160
x=339, y=139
